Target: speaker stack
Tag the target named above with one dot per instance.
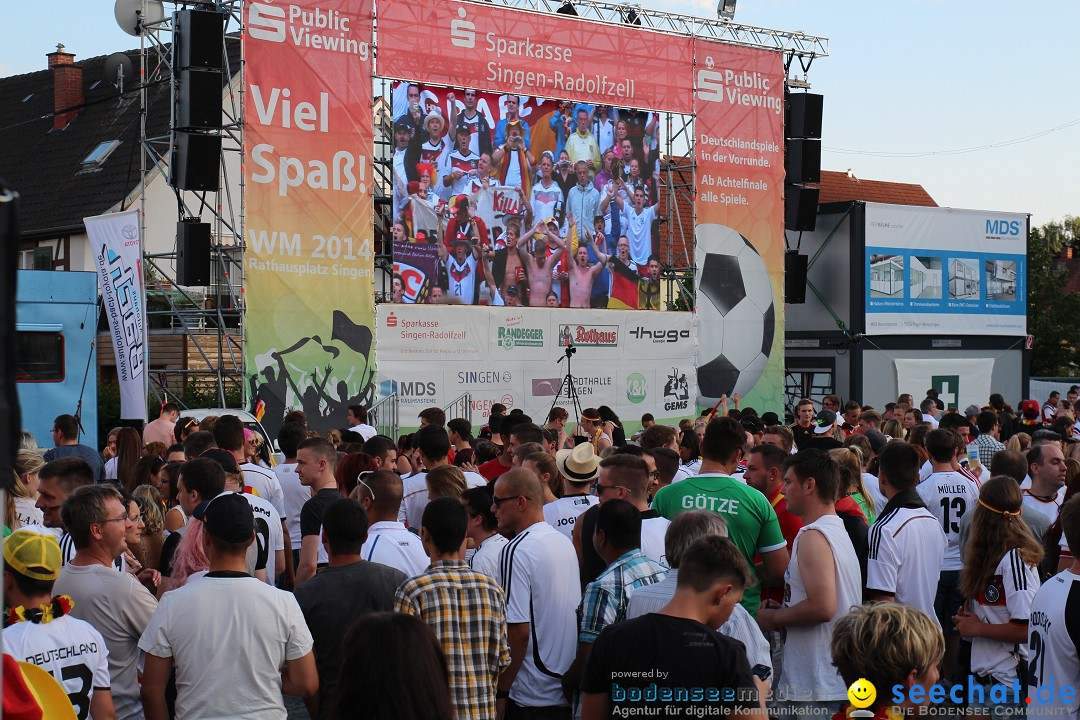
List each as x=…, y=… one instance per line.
x=802, y=163
x=198, y=52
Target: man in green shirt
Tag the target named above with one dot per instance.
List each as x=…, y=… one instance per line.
x=751, y=521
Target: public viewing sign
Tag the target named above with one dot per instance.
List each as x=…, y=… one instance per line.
x=945, y=272
x=308, y=149
x=463, y=44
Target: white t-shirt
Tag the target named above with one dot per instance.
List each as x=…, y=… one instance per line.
x=906, y=547
x=119, y=608
x=461, y=277
x=294, y=494
x=538, y=572
x=653, y=530
x=1048, y=508
x=466, y=164
x=71, y=650
x=390, y=543
x=544, y=200
x=949, y=496
x=229, y=638
x=265, y=484
x=366, y=431
x=415, y=496
x=638, y=230
x=1008, y=597
x=486, y=557
x=269, y=537
x=27, y=513
x=562, y=513
x=110, y=468
x=873, y=489
x=805, y=646
x=1053, y=642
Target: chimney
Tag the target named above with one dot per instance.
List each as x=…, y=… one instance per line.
x=67, y=86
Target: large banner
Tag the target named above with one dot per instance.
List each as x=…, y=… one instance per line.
x=308, y=155
x=114, y=242
x=739, y=147
x=959, y=381
x=509, y=189
x=431, y=356
x=529, y=53
x=939, y=271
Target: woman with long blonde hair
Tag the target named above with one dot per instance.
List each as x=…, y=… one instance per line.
x=851, y=458
x=19, y=505
x=999, y=581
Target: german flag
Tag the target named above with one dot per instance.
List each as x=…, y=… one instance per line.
x=624, y=286
x=259, y=410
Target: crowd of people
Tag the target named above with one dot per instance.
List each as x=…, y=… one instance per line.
x=582, y=231
x=731, y=564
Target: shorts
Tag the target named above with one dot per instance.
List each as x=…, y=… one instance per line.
x=948, y=601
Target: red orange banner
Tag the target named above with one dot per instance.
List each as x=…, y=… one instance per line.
x=506, y=50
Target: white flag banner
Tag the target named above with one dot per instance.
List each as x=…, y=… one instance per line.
x=495, y=205
x=114, y=241
x=959, y=381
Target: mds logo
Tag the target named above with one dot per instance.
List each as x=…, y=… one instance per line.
x=1003, y=228
x=266, y=22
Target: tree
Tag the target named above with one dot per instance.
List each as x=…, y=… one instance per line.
x=1053, y=314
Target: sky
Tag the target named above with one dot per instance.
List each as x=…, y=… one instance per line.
x=923, y=77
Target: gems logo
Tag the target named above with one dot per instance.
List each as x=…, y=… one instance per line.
x=511, y=337
x=676, y=391
x=636, y=388
x=589, y=335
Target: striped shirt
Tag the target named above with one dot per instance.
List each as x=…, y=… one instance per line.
x=987, y=447
x=467, y=612
x=907, y=545
x=605, y=598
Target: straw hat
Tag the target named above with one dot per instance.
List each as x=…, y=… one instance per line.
x=580, y=464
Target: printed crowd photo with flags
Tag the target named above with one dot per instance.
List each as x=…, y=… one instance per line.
x=115, y=242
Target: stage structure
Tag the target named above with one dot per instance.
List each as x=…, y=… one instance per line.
x=300, y=256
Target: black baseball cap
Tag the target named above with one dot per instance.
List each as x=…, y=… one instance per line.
x=228, y=517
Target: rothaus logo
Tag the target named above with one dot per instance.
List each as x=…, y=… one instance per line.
x=1003, y=228
x=659, y=336
x=462, y=31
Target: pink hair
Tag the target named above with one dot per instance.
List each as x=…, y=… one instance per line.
x=190, y=557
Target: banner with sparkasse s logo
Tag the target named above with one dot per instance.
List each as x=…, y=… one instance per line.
x=308, y=147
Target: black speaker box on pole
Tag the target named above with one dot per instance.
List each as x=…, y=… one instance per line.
x=800, y=207
x=198, y=99
x=193, y=253
x=9, y=394
x=802, y=160
x=195, y=161
x=802, y=117
x=795, y=277
x=200, y=39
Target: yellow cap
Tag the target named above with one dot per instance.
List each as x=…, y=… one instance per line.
x=34, y=555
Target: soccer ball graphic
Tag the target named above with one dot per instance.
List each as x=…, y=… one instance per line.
x=736, y=319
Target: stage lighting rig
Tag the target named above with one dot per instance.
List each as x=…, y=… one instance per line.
x=725, y=10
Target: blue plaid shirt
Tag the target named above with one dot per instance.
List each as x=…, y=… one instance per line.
x=987, y=447
x=605, y=598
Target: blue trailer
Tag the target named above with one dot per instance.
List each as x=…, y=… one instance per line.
x=56, y=360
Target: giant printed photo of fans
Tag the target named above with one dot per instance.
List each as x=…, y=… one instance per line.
x=511, y=200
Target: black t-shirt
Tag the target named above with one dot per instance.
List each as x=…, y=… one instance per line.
x=591, y=562
x=332, y=601
x=820, y=442
x=312, y=512
x=704, y=668
x=801, y=434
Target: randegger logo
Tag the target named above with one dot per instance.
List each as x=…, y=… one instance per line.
x=266, y=22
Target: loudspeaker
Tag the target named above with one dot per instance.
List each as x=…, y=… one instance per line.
x=802, y=160
x=9, y=363
x=795, y=277
x=195, y=161
x=802, y=117
x=199, y=37
x=800, y=207
x=198, y=99
x=193, y=253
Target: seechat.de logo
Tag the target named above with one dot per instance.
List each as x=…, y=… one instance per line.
x=462, y=31
x=1003, y=228
x=266, y=22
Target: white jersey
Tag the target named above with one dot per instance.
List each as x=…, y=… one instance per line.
x=466, y=164
x=294, y=494
x=461, y=277
x=1049, y=508
x=27, y=513
x=415, y=496
x=70, y=650
x=269, y=537
x=391, y=544
x=1053, y=643
x=265, y=484
x=545, y=200
x=562, y=513
x=1008, y=597
x=805, y=646
x=485, y=558
x=538, y=572
x=906, y=547
x=653, y=529
x=949, y=496
x=873, y=489
x=638, y=230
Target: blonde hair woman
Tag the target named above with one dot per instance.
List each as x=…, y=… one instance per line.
x=851, y=458
x=20, y=507
x=445, y=481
